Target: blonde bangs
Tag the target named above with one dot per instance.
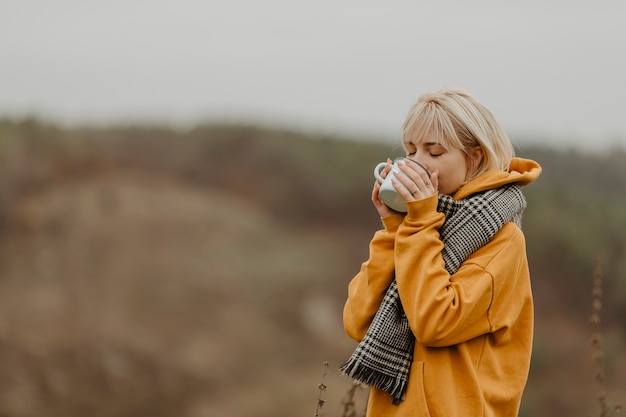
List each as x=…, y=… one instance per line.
x=430, y=123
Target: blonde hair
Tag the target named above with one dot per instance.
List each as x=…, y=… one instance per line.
x=453, y=118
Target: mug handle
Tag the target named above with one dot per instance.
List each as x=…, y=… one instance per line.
x=377, y=170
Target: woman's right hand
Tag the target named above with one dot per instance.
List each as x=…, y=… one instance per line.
x=383, y=210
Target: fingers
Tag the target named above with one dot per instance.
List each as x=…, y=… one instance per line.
x=434, y=179
x=415, y=184
x=375, y=191
x=387, y=168
x=380, y=206
x=413, y=173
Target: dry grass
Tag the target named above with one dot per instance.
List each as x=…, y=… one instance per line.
x=123, y=294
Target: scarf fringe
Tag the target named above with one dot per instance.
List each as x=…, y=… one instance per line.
x=394, y=386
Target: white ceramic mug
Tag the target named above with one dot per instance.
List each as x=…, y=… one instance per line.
x=388, y=193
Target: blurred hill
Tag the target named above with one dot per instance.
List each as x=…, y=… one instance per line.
x=151, y=272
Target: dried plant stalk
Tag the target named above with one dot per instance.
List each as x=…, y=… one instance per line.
x=597, y=343
x=322, y=388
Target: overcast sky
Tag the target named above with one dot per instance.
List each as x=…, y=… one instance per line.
x=551, y=69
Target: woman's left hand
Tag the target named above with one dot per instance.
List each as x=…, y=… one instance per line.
x=415, y=184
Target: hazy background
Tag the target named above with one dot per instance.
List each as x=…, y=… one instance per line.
x=553, y=68
x=184, y=192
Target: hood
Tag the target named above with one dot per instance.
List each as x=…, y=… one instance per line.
x=521, y=171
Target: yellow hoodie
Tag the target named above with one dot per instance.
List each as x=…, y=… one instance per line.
x=473, y=329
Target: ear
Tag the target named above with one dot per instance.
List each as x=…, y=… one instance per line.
x=476, y=155
x=474, y=158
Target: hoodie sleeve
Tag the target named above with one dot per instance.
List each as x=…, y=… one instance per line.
x=367, y=289
x=444, y=309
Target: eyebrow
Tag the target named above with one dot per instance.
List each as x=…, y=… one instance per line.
x=424, y=144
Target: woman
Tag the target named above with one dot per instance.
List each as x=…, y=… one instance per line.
x=443, y=306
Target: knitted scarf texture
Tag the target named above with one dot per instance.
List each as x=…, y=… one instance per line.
x=383, y=358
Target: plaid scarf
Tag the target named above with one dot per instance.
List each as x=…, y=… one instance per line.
x=383, y=358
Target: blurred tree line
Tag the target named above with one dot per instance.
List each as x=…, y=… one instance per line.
x=576, y=212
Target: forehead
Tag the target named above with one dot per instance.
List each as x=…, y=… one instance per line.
x=429, y=128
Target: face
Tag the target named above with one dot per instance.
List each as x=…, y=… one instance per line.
x=451, y=164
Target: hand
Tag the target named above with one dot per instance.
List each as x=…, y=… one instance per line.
x=383, y=210
x=415, y=184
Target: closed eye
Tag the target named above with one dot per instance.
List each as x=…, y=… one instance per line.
x=410, y=148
